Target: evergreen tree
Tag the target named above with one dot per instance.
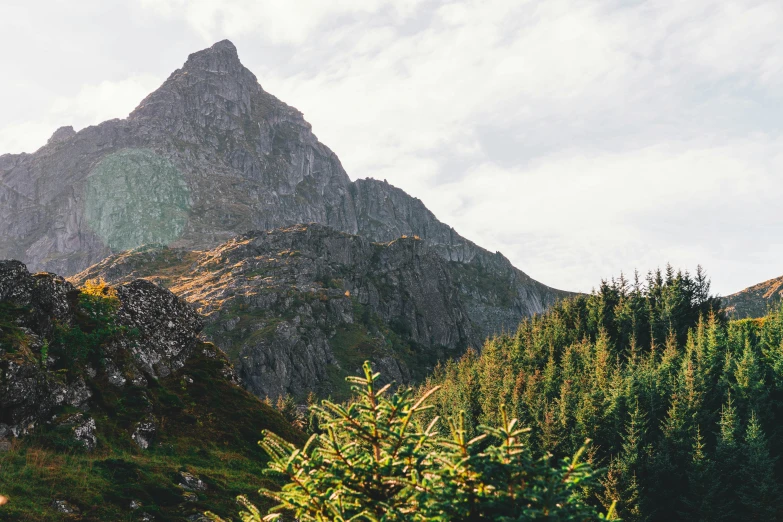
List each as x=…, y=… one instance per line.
x=376, y=462
x=759, y=493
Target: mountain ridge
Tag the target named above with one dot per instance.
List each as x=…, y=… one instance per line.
x=755, y=301
x=297, y=309
x=205, y=157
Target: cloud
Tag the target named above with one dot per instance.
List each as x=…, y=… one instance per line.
x=91, y=105
x=636, y=209
x=607, y=117
x=276, y=21
x=579, y=138
x=105, y=100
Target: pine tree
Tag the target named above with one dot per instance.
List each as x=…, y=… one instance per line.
x=698, y=504
x=759, y=493
x=723, y=490
x=375, y=462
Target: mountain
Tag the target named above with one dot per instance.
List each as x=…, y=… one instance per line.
x=300, y=308
x=756, y=300
x=112, y=408
x=207, y=156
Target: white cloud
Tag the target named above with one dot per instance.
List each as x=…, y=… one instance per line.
x=276, y=21
x=624, y=111
x=638, y=209
x=91, y=105
x=579, y=138
x=106, y=100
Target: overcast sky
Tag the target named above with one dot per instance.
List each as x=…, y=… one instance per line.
x=579, y=138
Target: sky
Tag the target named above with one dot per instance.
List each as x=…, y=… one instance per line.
x=581, y=139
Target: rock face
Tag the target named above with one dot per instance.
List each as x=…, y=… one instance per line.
x=300, y=308
x=207, y=156
x=756, y=300
x=43, y=327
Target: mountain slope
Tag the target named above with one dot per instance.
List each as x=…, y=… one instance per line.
x=300, y=308
x=112, y=409
x=207, y=156
x=756, y=300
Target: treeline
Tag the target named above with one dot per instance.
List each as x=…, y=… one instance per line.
x=683, y=407
x=371, y=460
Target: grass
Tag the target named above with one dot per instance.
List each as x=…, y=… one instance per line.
x=209, y=427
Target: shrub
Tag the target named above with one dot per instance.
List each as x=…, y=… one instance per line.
x=374, y=461
x=95, y=325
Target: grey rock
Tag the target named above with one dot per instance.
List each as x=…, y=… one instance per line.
x=83, y=429
x=5, y=446
x=144, y=432
x=134, y=505
x=63, y=506
x=166, y=334
x=61, y=134
x=169, y=326
x=283, y=303
x=85, y=433
x=190, y=482
x=290, y=295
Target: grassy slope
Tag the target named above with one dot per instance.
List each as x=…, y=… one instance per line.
x=208, y=427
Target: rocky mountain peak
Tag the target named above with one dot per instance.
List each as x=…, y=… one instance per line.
x=222, y=57
x=211, y=81
x=210, y=155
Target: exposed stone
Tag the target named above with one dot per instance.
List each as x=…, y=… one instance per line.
x=85, y=433
x=169, y=326
x=165, y=331
x=63, y=506
x=61, y=134
x=755, y=301
x=190, y=482
x=145, y=431
x=83, y=429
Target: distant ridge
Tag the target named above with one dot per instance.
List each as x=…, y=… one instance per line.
x=756, y=300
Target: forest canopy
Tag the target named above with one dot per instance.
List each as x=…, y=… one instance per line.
x=682, y=405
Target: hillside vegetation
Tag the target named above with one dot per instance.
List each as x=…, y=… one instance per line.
x=684, y=407
x=373, y=460
x=112, y=409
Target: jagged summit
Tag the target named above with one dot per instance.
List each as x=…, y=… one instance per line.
x=223, y=46
x=210, y=77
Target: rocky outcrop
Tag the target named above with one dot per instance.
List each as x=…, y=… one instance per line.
x=755, y=301
x=299, y=308
x=118, y=372
x=210, y=155
x=47, y=332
